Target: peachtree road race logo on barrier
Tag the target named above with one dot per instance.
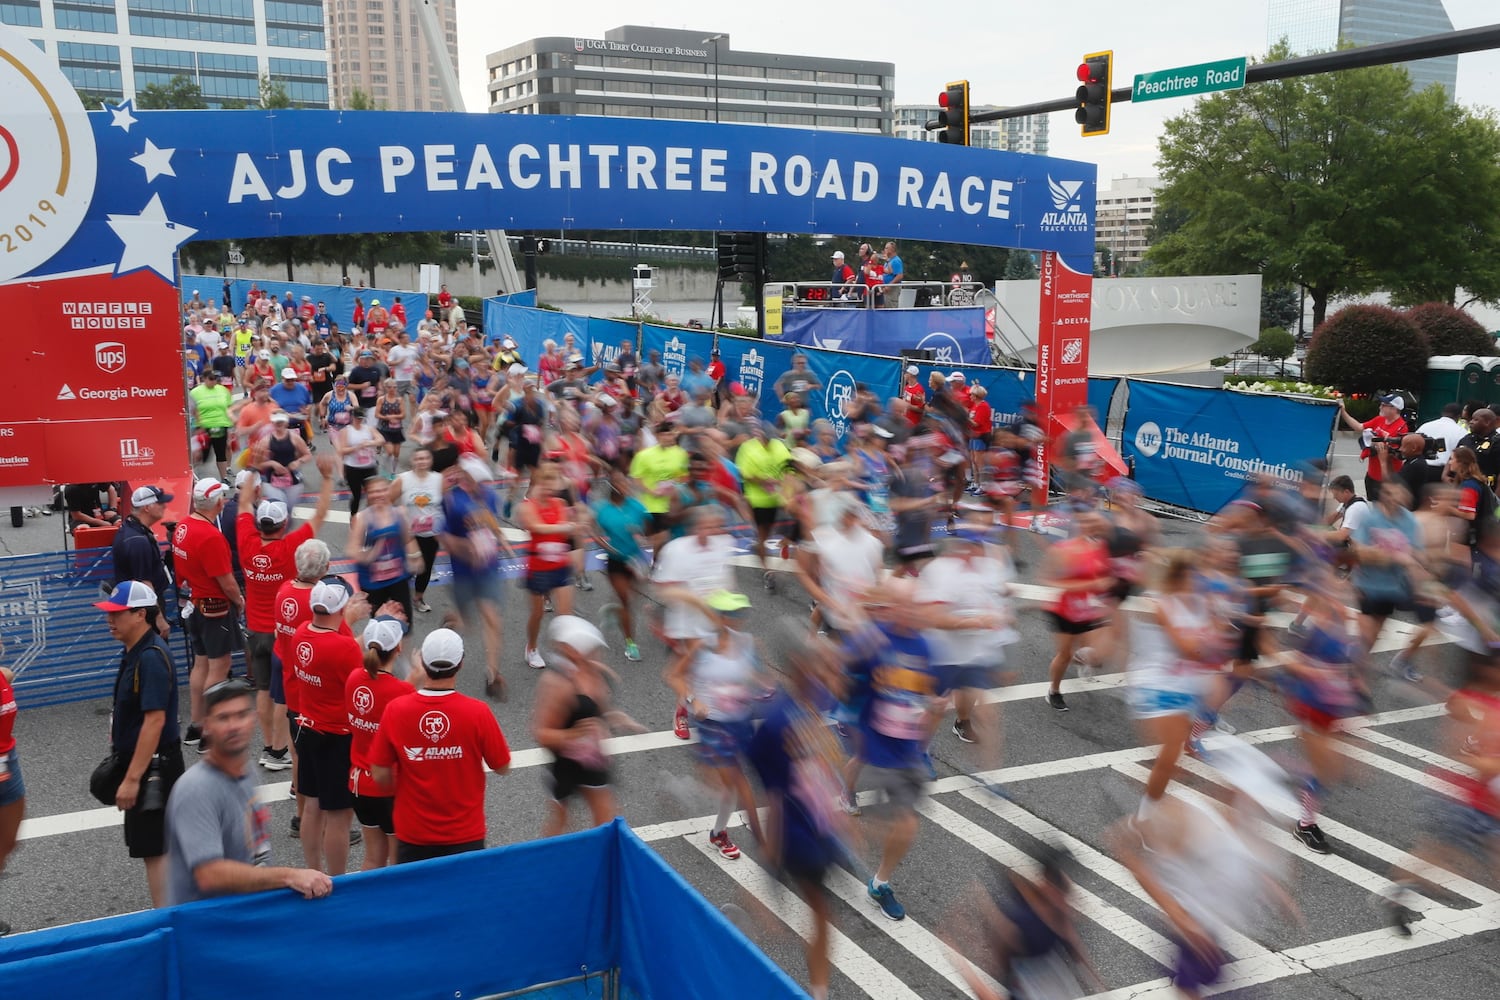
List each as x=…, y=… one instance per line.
x=24, y=611
x=47, y=161
x=837, y=399
x=944, y=347
x=752, y=371
x=674, y=356
x=1202, y=448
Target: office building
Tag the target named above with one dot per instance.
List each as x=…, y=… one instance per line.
x=1318, y=25
x=1122, y=219
x=377, y=47
x=1019, y=135
x=639, y=72
x=113, y=48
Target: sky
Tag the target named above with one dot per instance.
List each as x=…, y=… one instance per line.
x=1011, y=52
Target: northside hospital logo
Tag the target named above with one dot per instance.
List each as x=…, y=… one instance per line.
x=48, y=164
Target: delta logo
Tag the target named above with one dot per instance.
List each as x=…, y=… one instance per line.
x=1068, y=215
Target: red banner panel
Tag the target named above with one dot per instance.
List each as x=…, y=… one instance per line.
x=1062, y=355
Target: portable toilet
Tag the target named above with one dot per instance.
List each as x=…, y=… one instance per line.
x=1490, y=384
x=1446, y=382
x=1471, y=384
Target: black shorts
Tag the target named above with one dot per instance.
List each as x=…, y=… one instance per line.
x=525, y=455
x=258, y=647
x=1378, y=608
x=1061, y=624
x=374, y=811
x=323, y=769
x=615, y=566
x=407, y=853
x=218, y=440
x=915, y=554
x=393, y=435
x=765, y=517
x=565, y=777
x=544, y=582
x=213, y=637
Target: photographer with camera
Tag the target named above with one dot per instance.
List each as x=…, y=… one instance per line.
x=1379, y=434
x=1412, y=467
x=1447, y=431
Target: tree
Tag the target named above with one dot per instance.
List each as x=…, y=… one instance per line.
x=358, y=100
x=179, y=93
x=1366, y=349
x=273, y=94
x=1106, y=261
x=1275, y=343
x=1020, y=267
x=1280, y=306
x=1326, y=182
x=1451, y=331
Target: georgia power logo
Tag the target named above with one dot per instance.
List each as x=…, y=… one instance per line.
x=47, y=162
x=944, y=347
x=1067, y=201
x=1148, y=439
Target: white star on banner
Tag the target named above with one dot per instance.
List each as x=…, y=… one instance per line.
x=121, y=114
x=155, y=161
x=150, y=239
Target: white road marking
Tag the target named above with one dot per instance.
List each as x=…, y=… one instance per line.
x=853, y=961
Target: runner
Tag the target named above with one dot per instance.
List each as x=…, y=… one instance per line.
x=622, y=523
x=419, y=491
x=549, y=520
x=384, y=552
x=367, y=693
x=390, y=420
x=762, y=462
x=571, y=719
x=12, y=785
x=1079, y=568
x=202, y=561
x=698, y=564
x=439, y=803
x=471, y=533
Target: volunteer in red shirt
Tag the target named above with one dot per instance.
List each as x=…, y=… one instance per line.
x=367, y=693
x=12, y=788
x=914, y=394
x=445, y=299
x=267, y=552
x=958, y=384
x=324, y=654
x=202, y=562
x=547, y=517
x=432, y=747
x=398, y=311
x=1388, y=423
x=981, y=428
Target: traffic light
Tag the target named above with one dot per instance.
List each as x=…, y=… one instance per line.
x=739, y=256
x=953, y=113
x=1094, y=75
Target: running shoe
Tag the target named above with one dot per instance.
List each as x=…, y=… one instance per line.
x=295, y=830
x=1403, y=668
x=1312, y=838
x=849, y=805
x=534, y=659
x=680, y=724
x=495, y=690
x=193, y=737
x=632, y=651
x=770, y=582
x=547, y=605
x=885, y=898
x=423, y=606
x=275, y=760
x=1401, y=916
x=964, y=730
x=725, y=845
x=1055, y=699
x=583, y=582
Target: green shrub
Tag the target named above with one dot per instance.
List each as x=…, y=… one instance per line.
x=1366, y=349
x=1450, y=330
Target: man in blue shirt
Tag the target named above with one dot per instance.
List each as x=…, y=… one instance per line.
x=475, y=545
x=891, y=274
x=293, y=397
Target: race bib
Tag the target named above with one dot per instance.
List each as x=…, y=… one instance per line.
x=900, y=718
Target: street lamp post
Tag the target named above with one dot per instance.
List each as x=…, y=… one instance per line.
x=715, y=39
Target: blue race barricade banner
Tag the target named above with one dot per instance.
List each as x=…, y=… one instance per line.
x=532, y=328
x=677, y=347
x=605, y=339
x=1196, y=448
x=1102, y=396
x=304, y=173
x=756, y=364
x=526, y=298
x=955, y=336
x=839, y=374
x=339, y=298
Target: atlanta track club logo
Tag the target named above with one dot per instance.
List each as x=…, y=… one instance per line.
x=47, y=161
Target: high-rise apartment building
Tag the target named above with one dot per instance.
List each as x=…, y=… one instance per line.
x=1319, y=25
x=641, y=72
x=1018, y=135
x=113, y=48
x=1122, y=219
x=377, y=47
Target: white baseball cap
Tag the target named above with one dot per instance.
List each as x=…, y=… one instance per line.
x=270, y=513
x=442, y=651
x=956, y=377
x=384, y=632
x=244, y=476
x=288, y=373
x=579, y=633
x=209, y=489
x=329, y=596
x=912, y=370
x=517, y=369
x=838, y=255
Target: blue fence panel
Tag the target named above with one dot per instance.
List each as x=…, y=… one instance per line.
x=677, y=347
x=756, y=364
x=840, y=373
x=339, y=298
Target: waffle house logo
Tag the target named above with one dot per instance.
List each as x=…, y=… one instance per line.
x=47, y=162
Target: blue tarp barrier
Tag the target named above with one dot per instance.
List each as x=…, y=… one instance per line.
x=677, y=346
x=955, y=336
x=339, y=298
x=840, y=373
x=756, y=364
x=1196, y=448
x=505, y=919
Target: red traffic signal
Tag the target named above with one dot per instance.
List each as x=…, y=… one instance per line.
x=954, y=113
x=1094, y=77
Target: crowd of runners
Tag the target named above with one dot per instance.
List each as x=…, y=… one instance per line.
x=907, y=538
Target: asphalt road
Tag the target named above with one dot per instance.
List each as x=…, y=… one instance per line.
x=1069, y=777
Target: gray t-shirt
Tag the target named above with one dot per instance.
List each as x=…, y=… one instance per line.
x=211, y=815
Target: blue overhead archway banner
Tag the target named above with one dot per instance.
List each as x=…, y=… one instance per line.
x=955, y=336
x=176, y=176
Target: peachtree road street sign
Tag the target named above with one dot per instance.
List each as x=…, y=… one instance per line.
x=1205, y=78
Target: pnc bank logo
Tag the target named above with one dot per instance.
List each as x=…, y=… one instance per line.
x=109, y=357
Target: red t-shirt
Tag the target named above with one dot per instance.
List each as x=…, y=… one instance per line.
x=548, y=552
x=200, y=554
x=365, y=699
x=961, y=393
x=1082, y=559
x=322, y=661
x=7, y=716
x=444, y=300
x=1383, y=428
x=398, y=312
x=981, y=421
x=916, y=402
x=439, y=742
x=716, y=369
x=267, y=565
